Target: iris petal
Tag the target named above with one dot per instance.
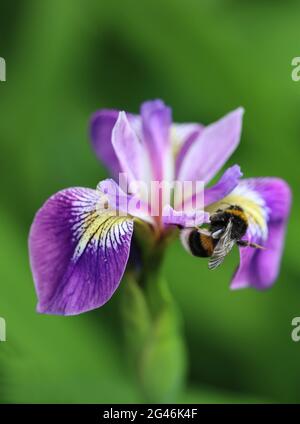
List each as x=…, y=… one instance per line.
x=213, y=147
x=156, y=122
x=128, y=149
x=102, y=123
x=184, y=219
x=182, y=138
x=270, y=199
x=78, y=252
x=101, y=127
x=227, y=183
x=260, y=268
x=125, y=204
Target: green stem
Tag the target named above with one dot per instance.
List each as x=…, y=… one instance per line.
x=152, y=264
x=153, y=330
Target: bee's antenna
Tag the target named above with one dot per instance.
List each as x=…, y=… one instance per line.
x=244, y=243
x=257, y=246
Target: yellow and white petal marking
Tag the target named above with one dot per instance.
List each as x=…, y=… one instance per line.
x=95, y=228
x=253, y=205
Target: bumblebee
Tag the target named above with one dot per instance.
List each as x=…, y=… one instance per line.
x=227, y=227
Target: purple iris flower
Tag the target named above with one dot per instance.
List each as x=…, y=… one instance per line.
x=80, y=239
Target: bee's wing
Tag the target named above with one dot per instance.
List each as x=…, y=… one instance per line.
x=225, y=244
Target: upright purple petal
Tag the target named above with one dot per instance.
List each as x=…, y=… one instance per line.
x=183, y=136
x=128, y=149
x=156, y=122
x=260, y=268
x=213, y=147
x=78, y=251
x=101, y=127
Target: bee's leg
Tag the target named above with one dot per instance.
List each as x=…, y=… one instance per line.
x=244, y=243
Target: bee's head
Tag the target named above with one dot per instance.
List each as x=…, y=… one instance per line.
x=219, y=216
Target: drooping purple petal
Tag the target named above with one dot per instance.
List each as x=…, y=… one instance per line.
x=225, y=185
x=275, y=192
x=156, y=124
x=213, y=147
x=78, y=252
x=260, y=268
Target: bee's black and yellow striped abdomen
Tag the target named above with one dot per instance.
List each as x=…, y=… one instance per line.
x=201, y=245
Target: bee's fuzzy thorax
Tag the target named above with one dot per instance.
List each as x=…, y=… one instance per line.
x=237, y=211
x=235, y=214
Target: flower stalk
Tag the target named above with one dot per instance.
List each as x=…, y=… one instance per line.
x=153, y=331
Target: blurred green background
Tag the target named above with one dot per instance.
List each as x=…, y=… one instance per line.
x=65, y=59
